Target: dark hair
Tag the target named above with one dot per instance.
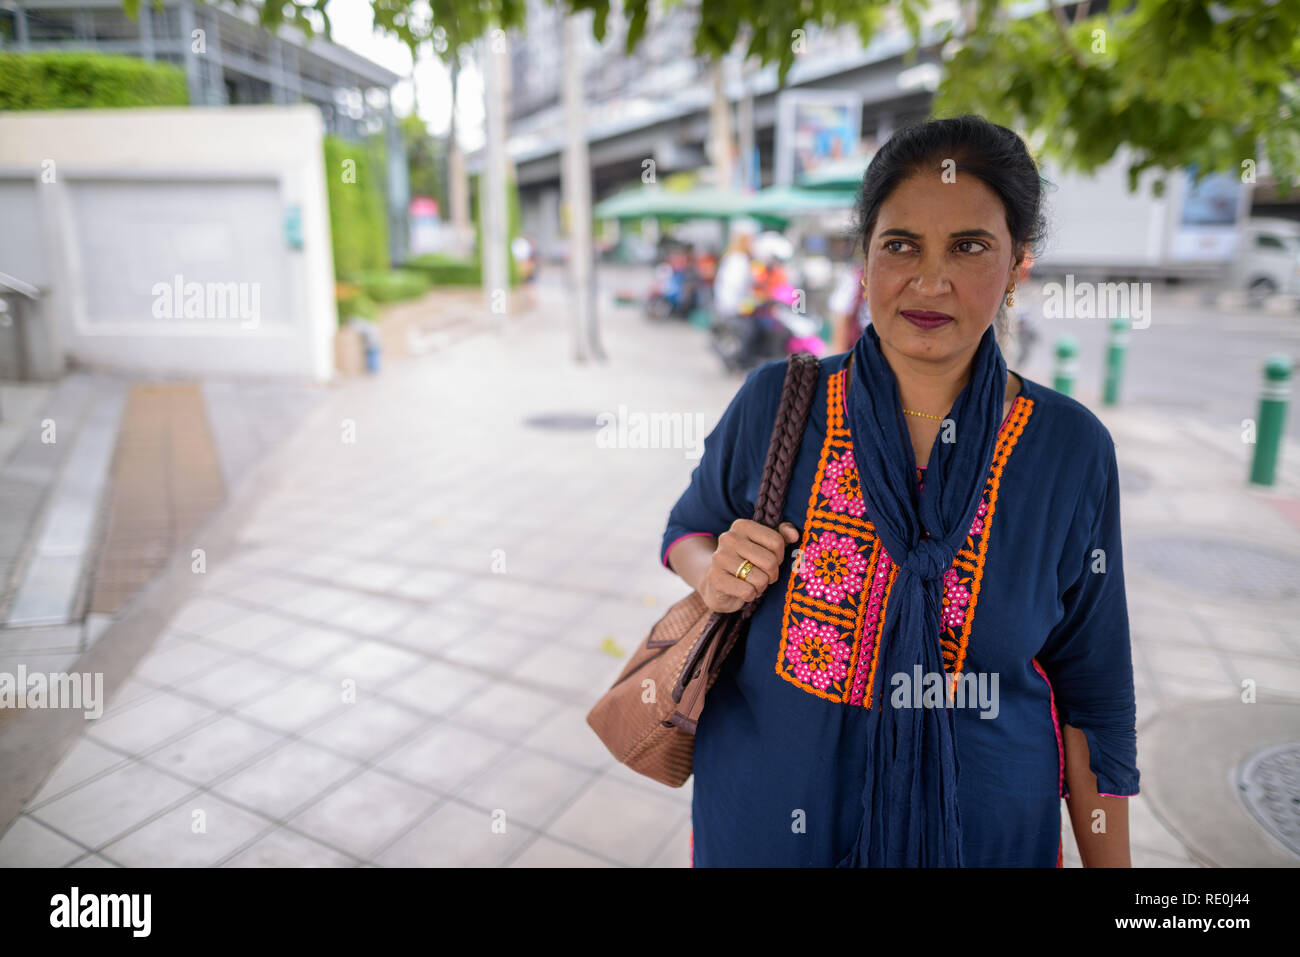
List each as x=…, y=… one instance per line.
x=993, y=153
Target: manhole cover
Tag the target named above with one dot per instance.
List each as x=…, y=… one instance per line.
x=1270, y=786
x=1215, y=567
x=571, y=421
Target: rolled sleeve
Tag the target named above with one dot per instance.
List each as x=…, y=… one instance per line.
x=718, y=491
x=1088, y=657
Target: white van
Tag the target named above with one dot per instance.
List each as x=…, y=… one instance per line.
x=1267, y=262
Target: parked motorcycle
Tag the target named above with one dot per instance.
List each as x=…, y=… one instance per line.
x=773, y=329
x=677, y=288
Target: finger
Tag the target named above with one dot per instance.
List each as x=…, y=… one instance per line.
x=724, y=583
x=762, y=558
x=760, y=534
x=790, y=532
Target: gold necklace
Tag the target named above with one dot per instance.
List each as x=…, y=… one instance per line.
x=924, y=415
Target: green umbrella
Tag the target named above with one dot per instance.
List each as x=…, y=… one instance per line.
x=699, y=203
x=789, y=201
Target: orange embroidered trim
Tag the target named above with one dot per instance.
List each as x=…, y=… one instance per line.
x=837, y=595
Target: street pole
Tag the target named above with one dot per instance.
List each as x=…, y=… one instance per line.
x=720, y=142
x=1274, y=397
x=458, y=185
x=1067, y=365
x=745, y=129
x=496, y=275
x=1116, y=348
x=576, y=187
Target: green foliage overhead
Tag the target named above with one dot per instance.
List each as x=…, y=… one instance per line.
x=79, y=80
x=1214, y=83
x=1179, y=82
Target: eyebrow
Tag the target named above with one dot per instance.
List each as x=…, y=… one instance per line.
x=961, y=233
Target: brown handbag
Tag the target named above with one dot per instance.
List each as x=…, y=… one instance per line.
x=654, y=733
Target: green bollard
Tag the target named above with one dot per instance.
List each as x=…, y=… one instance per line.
x=1273, y=400
x=1116, y=349
x=1067, y=365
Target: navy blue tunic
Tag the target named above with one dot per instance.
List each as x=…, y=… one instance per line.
x=1034, y=608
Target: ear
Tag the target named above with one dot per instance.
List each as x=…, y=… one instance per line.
x=1018, y=263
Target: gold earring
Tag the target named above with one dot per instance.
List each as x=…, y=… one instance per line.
x=1011, y=295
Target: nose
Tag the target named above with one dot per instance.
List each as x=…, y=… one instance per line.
x=931, y=277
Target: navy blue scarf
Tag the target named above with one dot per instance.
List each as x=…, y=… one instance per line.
x=909, y=801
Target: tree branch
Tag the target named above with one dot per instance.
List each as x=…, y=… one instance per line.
x=1058, y=17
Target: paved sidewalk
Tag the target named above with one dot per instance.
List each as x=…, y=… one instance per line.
x=461, y=572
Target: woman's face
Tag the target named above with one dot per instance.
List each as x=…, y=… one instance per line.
x=939, y=262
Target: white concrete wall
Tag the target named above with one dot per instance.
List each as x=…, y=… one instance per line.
x=128, y=198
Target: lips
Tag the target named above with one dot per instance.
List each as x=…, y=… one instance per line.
x=925, y=319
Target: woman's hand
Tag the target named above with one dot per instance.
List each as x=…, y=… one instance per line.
x=746, y=540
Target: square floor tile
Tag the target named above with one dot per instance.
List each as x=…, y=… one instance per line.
x=149, y=723
x=84, y=760
x=528, y=788
x=100, y=810
x=288, y=778
x=28, y=843
x=366, y=729
x=444, y=757
x=198, y=833
x=212, y=750
x=364, y=813
x=457, y=836
x=504, y=709
x=620, y=822
x=295, y=705
x=566, y=734
x=283, y=848
x=545, y=852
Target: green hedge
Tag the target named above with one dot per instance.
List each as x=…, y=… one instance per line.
x=353, y=303
x=77, y=80
x=358, y=221
x=444, y=270
x=395, y=285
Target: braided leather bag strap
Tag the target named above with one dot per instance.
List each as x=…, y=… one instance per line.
x=801, y=376
x=725, y=628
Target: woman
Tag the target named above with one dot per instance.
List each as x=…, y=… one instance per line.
x=732, y=285
x=950, y=657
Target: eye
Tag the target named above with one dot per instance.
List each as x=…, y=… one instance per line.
x=890, y=242
x=979, y=246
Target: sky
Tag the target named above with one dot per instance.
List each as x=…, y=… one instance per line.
x=353, y=27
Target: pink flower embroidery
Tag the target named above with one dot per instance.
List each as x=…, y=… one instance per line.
x=955, y=599
x=977, y=525
x=817, y=654
x=832, y=567
x=841, y=487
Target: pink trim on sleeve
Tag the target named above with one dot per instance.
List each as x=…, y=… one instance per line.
x=1056, y=727
x=664, y=557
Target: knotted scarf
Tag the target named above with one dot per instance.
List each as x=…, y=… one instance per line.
x=909, y=800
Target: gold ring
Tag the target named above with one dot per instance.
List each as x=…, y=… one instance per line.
x=743, y=571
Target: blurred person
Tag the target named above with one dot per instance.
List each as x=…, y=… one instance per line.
x=848, y=308
x=872, y=723
x=733, y=284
